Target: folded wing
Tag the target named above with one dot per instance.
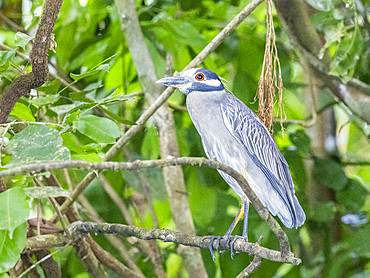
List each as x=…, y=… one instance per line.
x=249, y=131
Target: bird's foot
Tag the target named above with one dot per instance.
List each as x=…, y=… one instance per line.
x=210, y=245
x=231, y=241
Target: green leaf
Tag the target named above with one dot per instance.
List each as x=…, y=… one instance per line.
x=324, y=212
x=12, y=247
x=321, y=5
x=50, y=88
x=330, y=173
x=62, y=109
x=22, y=39
x=45, y=192
x=333, y=35
x=115, y=96
x=5, y=58
x=348, y=53
x=353, y=196
x=36, y=144
x=70, y=141
x=77, y=77
x=22, y=112
x=90, y=157
x=184, y=32
x=71, y=117
x=92, y=148
x=99, y=129
x=42, y=101
x=82, y=107
x=14, y=209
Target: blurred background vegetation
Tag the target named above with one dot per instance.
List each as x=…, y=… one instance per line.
x=325, y=142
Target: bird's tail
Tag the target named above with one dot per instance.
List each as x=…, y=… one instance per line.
x=300, y=216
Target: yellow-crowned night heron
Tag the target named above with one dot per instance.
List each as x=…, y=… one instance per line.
x=233, y=135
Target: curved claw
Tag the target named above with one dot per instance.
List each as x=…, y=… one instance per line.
x=234, y=238
x=232, y=242
x=210, y=247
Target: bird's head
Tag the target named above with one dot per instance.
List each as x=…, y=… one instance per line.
x=200, y=80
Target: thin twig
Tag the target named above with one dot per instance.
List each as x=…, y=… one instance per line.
x=251, y=267
x=335, y=84
x=11, y=23
x=40, y=261
x=178, y=107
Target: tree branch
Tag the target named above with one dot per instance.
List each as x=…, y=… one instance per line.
x=251, y=267
x=200, y=161
x=79, y=228
x=22, y=85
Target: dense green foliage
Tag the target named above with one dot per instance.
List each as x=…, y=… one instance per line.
x=82, y=120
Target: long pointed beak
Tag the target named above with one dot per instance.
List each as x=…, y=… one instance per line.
x=174, y=81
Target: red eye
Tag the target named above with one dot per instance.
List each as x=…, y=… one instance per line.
x=199, y=77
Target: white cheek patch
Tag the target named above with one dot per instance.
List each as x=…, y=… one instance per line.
x=212, y=82
x=190, y=73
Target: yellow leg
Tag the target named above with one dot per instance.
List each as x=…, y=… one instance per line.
x=243, y=211
x=245, y=224
x=236, y=220
x=246, y=211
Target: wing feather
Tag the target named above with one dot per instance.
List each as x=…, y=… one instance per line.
x=249, y=131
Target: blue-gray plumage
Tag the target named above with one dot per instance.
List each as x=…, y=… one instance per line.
x=233, y=135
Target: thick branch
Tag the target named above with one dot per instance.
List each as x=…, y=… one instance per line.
x=200, y=161
x=80, y=228
x=22, y=85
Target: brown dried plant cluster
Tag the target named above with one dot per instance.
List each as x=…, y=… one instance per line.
x=269, y=79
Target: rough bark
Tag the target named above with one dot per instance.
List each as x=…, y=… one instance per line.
x=22, y=85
